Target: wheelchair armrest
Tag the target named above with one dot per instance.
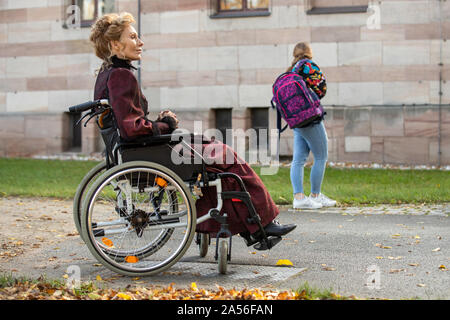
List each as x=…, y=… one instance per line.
x=173, y=138
x=146, y=141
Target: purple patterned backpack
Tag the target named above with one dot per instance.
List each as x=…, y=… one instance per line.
x=298, y=105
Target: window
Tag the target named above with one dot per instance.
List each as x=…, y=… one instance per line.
x=239, y=8
x=344, y=6
x=260, y=121
x=74, y=141
x=223, y=122
x=87, y=11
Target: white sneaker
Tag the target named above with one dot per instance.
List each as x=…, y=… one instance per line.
x=324, y=200
x=306, y=203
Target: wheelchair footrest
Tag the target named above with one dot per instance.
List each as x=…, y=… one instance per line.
x=267, y=244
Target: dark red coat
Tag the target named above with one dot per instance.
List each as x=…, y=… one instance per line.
x=130, y=109
x=119, y=85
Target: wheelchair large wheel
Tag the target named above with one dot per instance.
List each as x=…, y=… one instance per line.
x=82, y=189
x=138, y=218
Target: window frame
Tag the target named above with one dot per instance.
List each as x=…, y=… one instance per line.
x=87, y=23
x=83, y=23
x=337, y=10
x=238, y=13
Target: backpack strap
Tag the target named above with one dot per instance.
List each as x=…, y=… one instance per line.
x=280, y=130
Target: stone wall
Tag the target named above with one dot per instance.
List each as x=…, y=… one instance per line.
x=386, y=135
x=193, y=64
x=377, y=134
x=23, y=135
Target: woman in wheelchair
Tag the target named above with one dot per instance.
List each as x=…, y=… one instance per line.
x=117, y=44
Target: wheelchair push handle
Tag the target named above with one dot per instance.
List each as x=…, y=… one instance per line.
x=96, y=108
x=88, y=105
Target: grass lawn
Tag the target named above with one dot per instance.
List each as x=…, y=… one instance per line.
x=56, y=178
x=41, y=178
x=369, y=186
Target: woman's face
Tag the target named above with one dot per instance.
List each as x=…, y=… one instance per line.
x=130, y=46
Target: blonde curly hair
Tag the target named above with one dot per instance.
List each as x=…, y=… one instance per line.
x=106, y=29
x=302, y=50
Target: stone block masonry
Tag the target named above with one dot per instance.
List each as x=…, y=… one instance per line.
x=384, y=83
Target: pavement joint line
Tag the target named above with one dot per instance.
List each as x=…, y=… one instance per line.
x=429, y=210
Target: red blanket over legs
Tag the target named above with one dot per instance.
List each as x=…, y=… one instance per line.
x=221, y=158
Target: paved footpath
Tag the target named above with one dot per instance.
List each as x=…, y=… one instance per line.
x=394, y=252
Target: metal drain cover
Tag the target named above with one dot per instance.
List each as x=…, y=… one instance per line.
x=238, y=275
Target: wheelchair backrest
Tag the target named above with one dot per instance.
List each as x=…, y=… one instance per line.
x=157, y=149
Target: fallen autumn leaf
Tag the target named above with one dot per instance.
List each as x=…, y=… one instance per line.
x=284, y=262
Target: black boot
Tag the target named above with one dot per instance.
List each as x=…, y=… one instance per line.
x=275, y=229
x=272, y=229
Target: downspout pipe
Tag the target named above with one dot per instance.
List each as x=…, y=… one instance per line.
x=441, y=65
x=139, y=34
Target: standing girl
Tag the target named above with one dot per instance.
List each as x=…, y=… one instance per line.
x=311, y=138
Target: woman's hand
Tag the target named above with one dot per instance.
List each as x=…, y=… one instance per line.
x=168, y=113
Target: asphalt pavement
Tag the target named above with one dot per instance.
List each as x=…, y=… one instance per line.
x=392, y=252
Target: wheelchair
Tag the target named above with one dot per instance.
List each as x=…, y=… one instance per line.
x=136, y=211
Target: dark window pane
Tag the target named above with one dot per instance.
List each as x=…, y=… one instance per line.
x=75, y=131
x=223, y=118
x=260, y=120
x=223, y=122
x=340, y=3
x=332, y=6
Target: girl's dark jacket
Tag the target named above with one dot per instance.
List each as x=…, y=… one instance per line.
x=118, y=84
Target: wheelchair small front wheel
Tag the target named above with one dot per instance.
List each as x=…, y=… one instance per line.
x=138, y=218
x=203, y=244
x=222, y=258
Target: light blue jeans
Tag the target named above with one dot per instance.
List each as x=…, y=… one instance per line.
x=312, y=138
